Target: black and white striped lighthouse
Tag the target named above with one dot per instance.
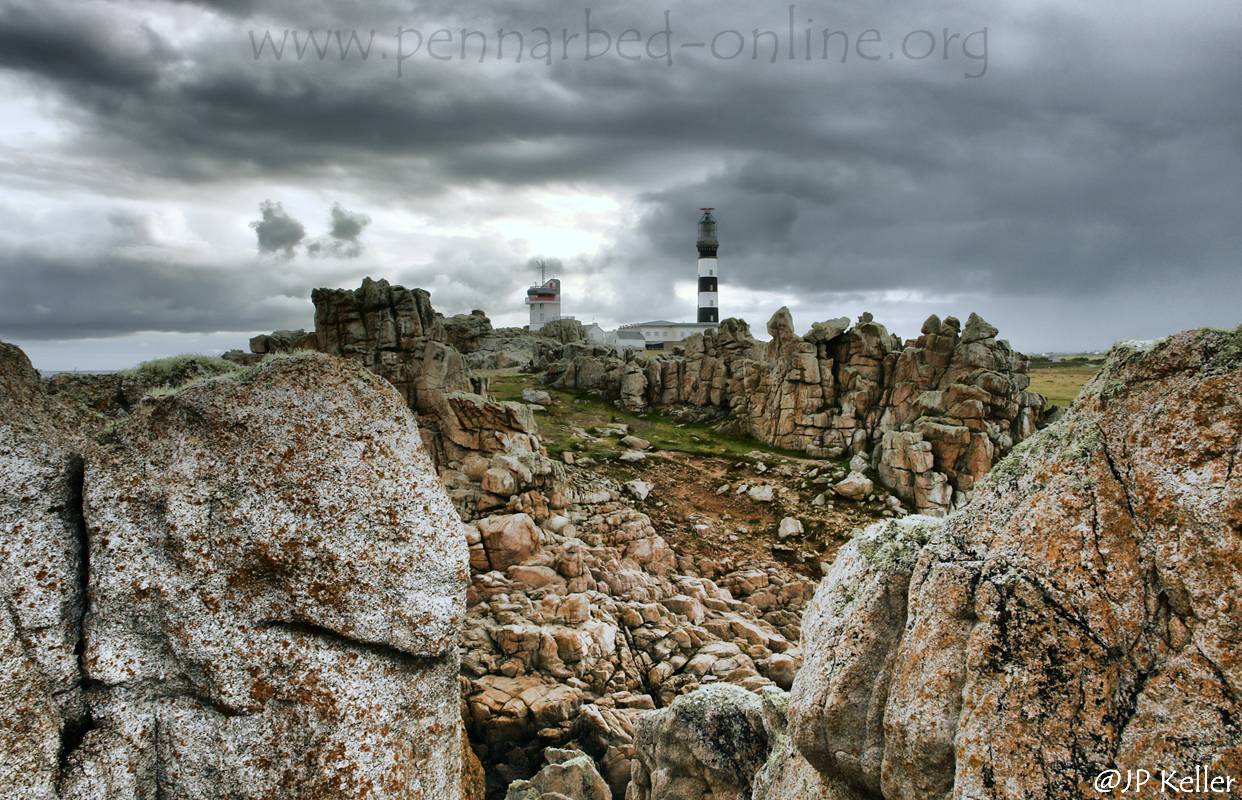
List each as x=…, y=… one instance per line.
x=709, y=293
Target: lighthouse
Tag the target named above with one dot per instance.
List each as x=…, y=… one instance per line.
x=709, y=297
x=658, y=333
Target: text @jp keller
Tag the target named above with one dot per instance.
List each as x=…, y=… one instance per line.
x=1197, y=782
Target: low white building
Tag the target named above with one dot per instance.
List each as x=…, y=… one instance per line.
x=660, y=332
x=621, y=339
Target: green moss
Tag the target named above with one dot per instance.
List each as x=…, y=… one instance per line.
x=1011, y=467
x=896, y=544
x=1081, y=443
x=1226, y=352
x=110, y=434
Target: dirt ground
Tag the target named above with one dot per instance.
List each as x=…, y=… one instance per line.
x=730, y=530
x=695, y=475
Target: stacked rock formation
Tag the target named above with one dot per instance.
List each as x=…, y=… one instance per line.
x=254, y=588
x=1080, y=615
x=465, y=332
x=378, y=318
x=932, y=415
x=395, y=333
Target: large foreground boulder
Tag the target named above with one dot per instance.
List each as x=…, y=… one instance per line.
x=1081, y=614
x=274, y=587
x=41, y=555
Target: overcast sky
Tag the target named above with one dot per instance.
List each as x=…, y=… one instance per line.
x=1070, y=170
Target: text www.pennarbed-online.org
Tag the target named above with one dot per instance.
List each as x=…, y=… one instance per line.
x=588, y=40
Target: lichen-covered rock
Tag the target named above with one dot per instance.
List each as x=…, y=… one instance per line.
x=707, y=745
x=276, y=590
x=786, y=775
x=569, y=774
x=41, y=542
x=1080, y=614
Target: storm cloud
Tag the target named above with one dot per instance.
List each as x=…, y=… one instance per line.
x=276, y=230
x=343, y=238
x=1082, y=190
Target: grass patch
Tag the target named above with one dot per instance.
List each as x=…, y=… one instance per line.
x=569, y=409
x=508, y=384
x=1060, y=381
x=178, y=370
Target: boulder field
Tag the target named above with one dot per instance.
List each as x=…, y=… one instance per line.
x=350, y=575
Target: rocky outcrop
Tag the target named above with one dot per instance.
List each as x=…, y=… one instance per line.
x=581, y=617
x=579, y=622
x=1079, y=615
x=485, y=347
x=395, y=333
x=564, y=331
x=465, y=331
x=707, y=745
x=115, y=394
x=933, y=414
x=257, y=592
x=283, y=342
x=577, y=617
x=570, y=774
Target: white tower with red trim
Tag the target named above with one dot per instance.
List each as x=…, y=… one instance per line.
x=545, y=303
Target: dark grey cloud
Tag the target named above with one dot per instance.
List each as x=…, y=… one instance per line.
x=347, y=226
x=342, y=240
x=68, y=295
x=78, y=47
x=277, y=232
x=1102, y=149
